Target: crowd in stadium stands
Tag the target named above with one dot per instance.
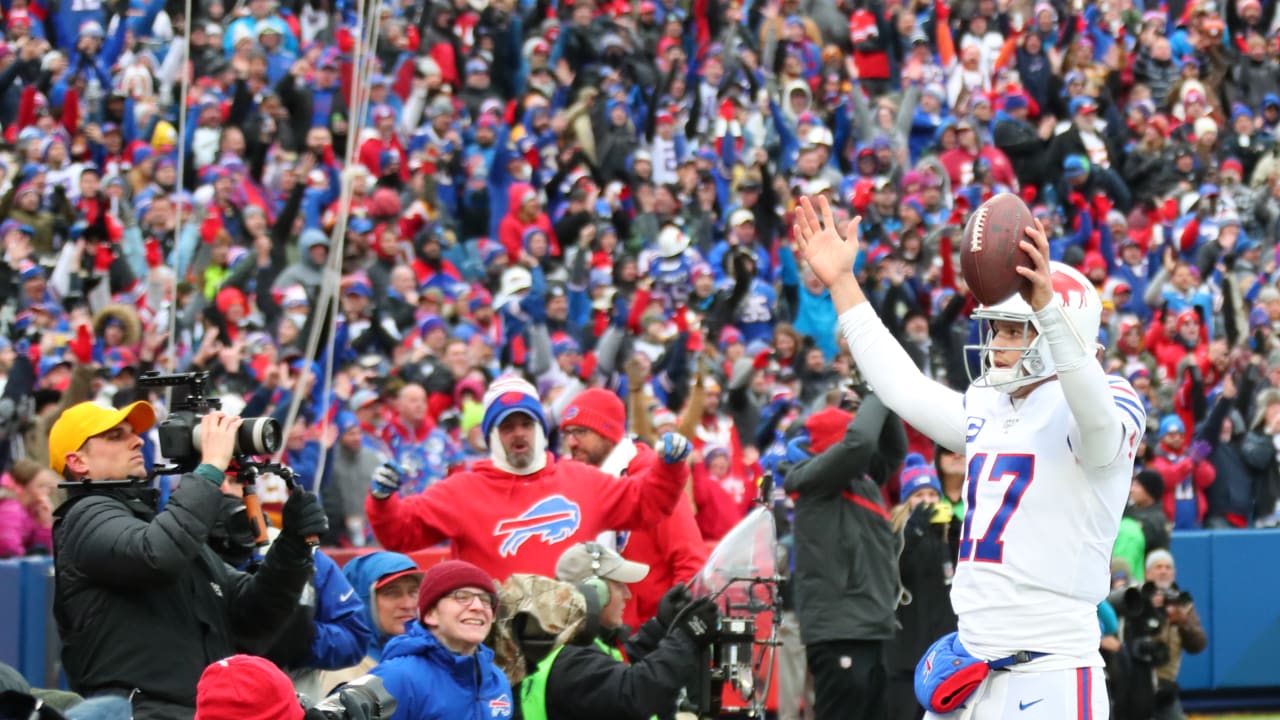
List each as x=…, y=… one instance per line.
x=598, y=198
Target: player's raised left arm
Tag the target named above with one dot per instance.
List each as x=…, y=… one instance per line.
x=1102, y=413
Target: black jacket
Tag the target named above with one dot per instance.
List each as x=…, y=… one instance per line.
x=927, y=562
x=142, y=602
x=586, y=683
x=846, y=552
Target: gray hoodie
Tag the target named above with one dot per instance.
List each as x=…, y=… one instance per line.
x=305, y=272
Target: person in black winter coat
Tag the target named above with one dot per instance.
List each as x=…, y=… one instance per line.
x=846, y=575
x=142, y=602
x=603, y=673
x=1021, y=142
x=930, y=536
x=1231, y=495
x=1146, y=494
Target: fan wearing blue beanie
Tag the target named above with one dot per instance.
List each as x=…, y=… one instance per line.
x=517, y=511
x=918, y=474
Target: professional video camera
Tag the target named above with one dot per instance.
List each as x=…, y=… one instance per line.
x=364, y=698
x=1143, y=623
x=180, y=431
x=742, y=577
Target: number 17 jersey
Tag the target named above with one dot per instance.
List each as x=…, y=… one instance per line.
x=1036, y=537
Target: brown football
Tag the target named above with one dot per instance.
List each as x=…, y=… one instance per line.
x=989, y=250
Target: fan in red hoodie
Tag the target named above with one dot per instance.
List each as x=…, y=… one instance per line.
x=593, y=431
x=523, y=212
x=517, y=511
x=384, y=119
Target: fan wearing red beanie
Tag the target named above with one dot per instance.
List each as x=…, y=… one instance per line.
x=593, y=431
x=440, y=669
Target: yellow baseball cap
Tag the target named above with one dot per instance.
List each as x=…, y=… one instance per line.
x=80, y=422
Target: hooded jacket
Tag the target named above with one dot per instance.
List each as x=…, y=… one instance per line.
x=506, y=523
x=1230, y=497
x=430, y=682
x=363, y=572
x=305, y=271
x=511, y=229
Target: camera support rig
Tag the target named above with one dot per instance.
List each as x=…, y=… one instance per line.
x=741, y=577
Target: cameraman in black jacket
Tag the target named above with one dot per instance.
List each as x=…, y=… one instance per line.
x=846, y=555
x=141, y=601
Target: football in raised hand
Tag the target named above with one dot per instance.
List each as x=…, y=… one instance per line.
x=990, y=252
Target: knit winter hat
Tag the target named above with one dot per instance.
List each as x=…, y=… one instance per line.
x=1170, y=423
x=442, y=579
x=826, y=427
x=1157, y=555
x=510, y=395
x=599, y=410
x=663, y=416
x=244, y=687
x=1153, y=483
x=917, y=474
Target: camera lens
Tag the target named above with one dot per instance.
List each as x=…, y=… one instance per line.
x=258, y=436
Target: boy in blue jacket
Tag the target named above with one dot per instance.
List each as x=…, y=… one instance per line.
x=439, y=669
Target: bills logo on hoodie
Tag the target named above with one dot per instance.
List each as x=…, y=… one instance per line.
x=555, y=519
x=500, y=707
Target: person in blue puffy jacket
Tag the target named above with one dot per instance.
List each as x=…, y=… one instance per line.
x=387, y=583
x=440, y=668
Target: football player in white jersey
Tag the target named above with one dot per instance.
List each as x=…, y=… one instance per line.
x=1049, y=440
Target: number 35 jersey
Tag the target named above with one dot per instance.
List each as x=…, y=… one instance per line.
x=1036, y=538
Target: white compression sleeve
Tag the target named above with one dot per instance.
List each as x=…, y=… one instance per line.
x=929, y=406
x=1085, y=386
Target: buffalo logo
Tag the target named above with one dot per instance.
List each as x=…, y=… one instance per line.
x=554, y=518
x=500, y=707
x=1073, y=294
x=511, y=398
x=571, y=413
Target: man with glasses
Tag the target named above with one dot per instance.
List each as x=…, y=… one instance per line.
x=440, y=668
x=142, y=602
x=593, y=431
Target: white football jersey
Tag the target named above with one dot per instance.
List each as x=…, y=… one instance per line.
x=1036, y=538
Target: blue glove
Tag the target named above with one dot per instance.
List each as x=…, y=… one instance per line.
x=621, y=313
x=386, y=481
x=536, y=308
x=674, y=448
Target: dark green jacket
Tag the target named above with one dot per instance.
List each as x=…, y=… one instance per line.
x=846, y=553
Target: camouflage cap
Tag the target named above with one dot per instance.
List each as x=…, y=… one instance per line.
x=535, y=614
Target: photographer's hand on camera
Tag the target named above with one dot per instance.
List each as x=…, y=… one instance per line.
x=675, y=600
x=302, y=516
x=698, y=621
x=218, y=439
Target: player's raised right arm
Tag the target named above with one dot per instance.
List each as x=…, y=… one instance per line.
x=929, y=406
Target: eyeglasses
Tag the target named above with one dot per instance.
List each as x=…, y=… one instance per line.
x=465, y=598
x=575, y=431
